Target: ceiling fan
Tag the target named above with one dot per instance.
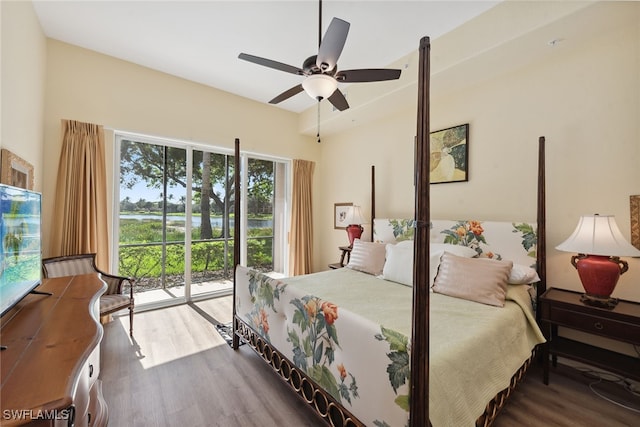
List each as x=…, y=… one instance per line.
x=321, y=72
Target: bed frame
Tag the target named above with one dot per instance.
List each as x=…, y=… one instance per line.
x=323, y=403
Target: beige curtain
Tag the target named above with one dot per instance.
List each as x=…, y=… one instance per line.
x=80, y=212
x=301, y=235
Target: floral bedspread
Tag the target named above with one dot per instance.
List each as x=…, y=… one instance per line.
x=332, y=326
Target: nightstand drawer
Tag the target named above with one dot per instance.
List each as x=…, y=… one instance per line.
x=565, y=309
x=614, y=329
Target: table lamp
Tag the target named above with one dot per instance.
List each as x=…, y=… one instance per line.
x=354, y=218
x=599, y=244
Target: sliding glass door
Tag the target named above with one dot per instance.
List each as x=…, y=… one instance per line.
x=176, y=216
x=212, y=222
x=151, y=216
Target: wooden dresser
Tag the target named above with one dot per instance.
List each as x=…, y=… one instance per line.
x=50, y=369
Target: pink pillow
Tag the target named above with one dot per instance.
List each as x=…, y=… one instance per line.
x=476, y=279
x=367, y=257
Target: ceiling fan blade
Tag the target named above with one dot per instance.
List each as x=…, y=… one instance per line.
x=332, y=44
x=271, y=64
x=287, y=94
x=367, y=75
x=338, y=100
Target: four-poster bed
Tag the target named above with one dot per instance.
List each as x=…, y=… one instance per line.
x=299, y=330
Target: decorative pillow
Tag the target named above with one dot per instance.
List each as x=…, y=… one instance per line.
x=523, y=275
x=398, y=266
x=435, y=253
x=476, y=279
x=463, y=251
x=367, y=257
x=405, y=244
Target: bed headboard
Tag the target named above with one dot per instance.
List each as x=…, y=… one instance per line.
x=514, y=241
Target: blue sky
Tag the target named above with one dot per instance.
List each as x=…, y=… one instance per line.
x=140, y=191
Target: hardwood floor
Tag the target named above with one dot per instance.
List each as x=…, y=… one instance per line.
x=568, y=402
x=178, y=371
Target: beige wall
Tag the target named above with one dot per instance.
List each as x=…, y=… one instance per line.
x=22, y=85
x=88, y=86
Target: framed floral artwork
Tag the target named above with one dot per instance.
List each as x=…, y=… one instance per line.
x=449, y=156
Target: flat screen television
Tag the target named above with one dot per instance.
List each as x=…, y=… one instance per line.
x=21, y=247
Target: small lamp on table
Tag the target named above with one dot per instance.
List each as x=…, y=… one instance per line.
x=599, y=244
x=355, y=220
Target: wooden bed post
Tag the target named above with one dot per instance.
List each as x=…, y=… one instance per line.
x=373, y=197
x=419, y=398
x=541, y=250
x=236, y=235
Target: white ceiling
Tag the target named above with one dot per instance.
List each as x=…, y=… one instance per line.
x=201, y=40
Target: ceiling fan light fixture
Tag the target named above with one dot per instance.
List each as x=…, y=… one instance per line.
x=320, y=86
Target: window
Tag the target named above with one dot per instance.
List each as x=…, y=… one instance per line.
x=176, y=216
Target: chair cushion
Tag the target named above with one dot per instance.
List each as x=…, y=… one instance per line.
x=109, y=303
x=70, y=267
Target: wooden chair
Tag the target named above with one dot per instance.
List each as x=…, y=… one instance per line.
x=113, y=299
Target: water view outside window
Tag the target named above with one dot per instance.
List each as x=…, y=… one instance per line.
x=158, y=232
x=152, y=214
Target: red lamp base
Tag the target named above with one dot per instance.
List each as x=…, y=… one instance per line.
x=354, y=231
x=599, y=276
x=607, y=303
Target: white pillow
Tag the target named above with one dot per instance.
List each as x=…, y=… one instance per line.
x=405, y=244
x=367, y=257
x=398, y=266
x=459, y=250
x=523, y=275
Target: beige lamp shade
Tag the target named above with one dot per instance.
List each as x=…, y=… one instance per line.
x=354, y=216
x=598, y=235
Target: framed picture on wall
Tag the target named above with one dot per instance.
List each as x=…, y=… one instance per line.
x=340, y=215
x=15, y=170
x=450, y=154
x=634, y=202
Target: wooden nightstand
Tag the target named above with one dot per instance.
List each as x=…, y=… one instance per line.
x=346, y=251
x=622, y=323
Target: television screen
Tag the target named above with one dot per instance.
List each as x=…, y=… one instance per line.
x=20, y=254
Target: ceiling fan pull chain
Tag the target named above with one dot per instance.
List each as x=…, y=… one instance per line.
x=318, y=134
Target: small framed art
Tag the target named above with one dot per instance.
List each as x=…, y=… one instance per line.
x=340, y=215
x=15, y=171
x=634, y=202
x=449, y=155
